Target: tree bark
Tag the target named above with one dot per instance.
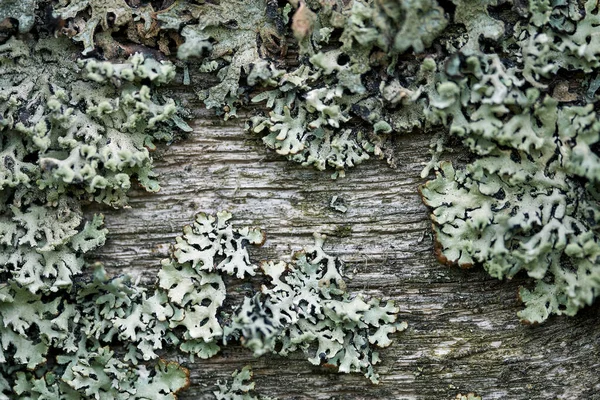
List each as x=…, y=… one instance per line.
x=463, y=335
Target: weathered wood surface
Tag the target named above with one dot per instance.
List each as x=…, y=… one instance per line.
x=463, y=331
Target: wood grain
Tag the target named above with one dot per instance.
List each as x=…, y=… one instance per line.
x=463, y=332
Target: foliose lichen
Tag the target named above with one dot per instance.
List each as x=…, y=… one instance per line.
x=86, y=15
x=72, y=131
x=529, y=200
x=307, y=303
x=81, y=125
x=514, y=82
x=333, y=110
x=241, y=387
x=84, y=320
x=193, y=278
x=21, y=10
x=79, y=132
x=229, y=38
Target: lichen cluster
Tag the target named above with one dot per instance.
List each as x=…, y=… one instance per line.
x=84, y=321
x=306, y=303
x=82, y=104
x=529, y=200
x=334, y=109
x=77, y=130
x=240, y=387
x=495, y=75
x=497, y=80
x=72, y=131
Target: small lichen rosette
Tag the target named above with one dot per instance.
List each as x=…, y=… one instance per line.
x=306, y=307
x=240, y=387
x=193, y=278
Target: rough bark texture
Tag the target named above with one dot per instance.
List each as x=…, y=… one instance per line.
x=463, y=332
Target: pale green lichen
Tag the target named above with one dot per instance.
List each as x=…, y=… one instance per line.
x=307, y=304
x=241, y=387
x=559, y=35
x=116, y=28
x=88, y=14
x=186, y=308
x=231, y=36
x=73, y=131
x=530, y=201
x=70, y=155
x=42, y=248
x=21, y=10
x=327, y=112
x=80, y=326
x=504, y=78
x=87, y=125
x=193, y=278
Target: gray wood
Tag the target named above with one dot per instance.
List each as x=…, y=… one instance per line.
x=463, y=332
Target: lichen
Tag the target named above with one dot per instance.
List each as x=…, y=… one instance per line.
x=331, y=111
x=73, y=131
x=87, y=125
x=88, y=14
x=307, y=303
x=80, y=325
x=21, y=10
x=241, y=387
x=78, y=133
x=230, y=36
x=185, y=309
x=515, y=83
x=193, y=278
x=559, y=35
x=529, y=201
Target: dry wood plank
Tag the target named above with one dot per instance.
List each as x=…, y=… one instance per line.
x=463, y=331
